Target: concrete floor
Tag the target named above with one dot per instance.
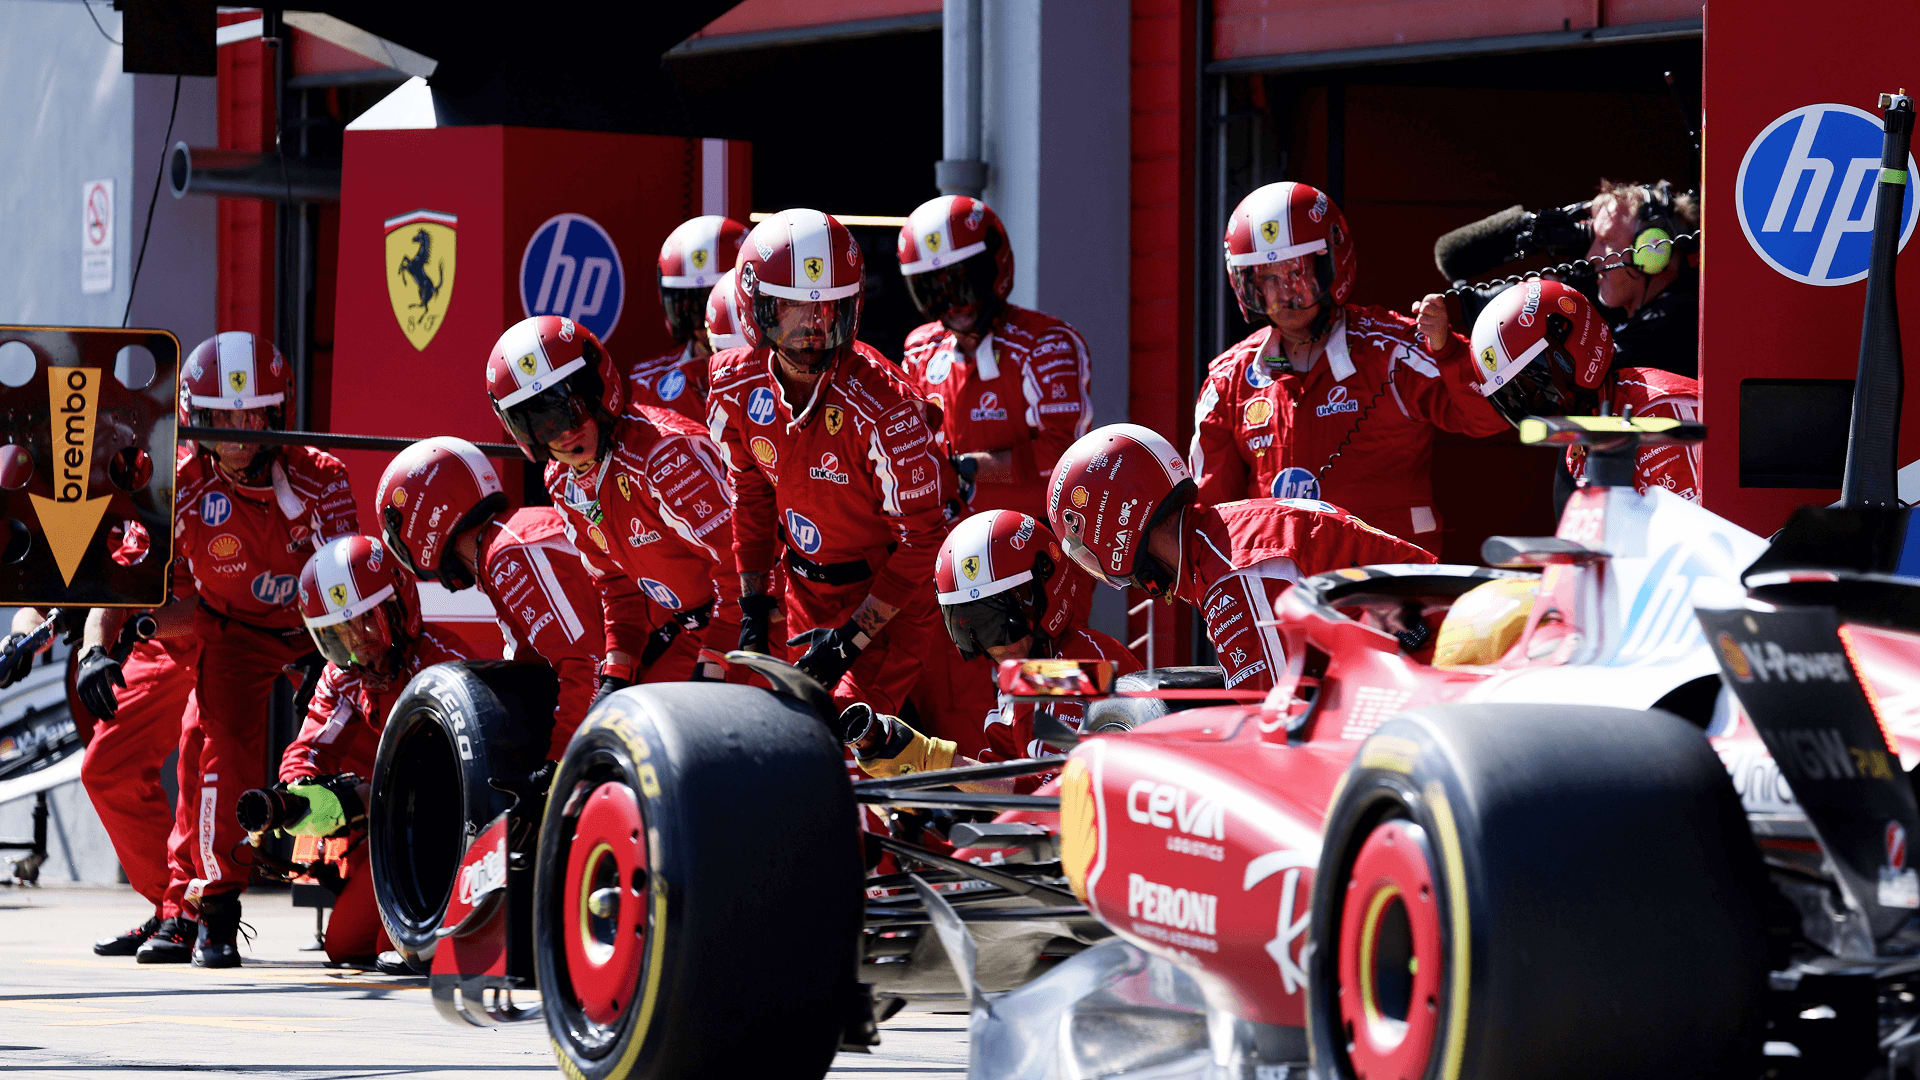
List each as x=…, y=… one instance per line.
x=67, y=1013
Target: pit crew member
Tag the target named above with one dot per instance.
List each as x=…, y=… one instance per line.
x=834, y=470
x=723, y=316
x=363, y=614
x=1543, y=349
x=1011, y=383
x=694, y=256
x=643, y=495
x=1326, y=399
x=446, y=519
x=1124, y=506
x=247, y=516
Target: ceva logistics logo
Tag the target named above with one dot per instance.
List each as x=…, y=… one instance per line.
x=1807, y=189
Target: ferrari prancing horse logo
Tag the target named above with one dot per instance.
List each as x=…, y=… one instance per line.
x=337, y=594
x=238, y=379
x=529, y=363
x=834, y=419
x=420, y=248
x=1269, y=230
x=813, y=267
x=971, y=566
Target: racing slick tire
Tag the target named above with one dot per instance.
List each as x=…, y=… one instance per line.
x=1125, y=713
x=698, y=898
x=459, y=738
x=1523, y=891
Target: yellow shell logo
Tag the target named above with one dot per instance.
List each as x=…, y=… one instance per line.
x=599, y=538
x=1079, y=832
x=1259, y=411
x=529, y=364
x=970, y=566
x=699, y=258
x=1079, y=497
x=337, y=594
x=1567, y=305
x=813, y=267
x=1269, y=231
x=399, y=496
x=834, y=419
x=238, y=379
x=1735, y=657
x=933, y=241
x=763, y=450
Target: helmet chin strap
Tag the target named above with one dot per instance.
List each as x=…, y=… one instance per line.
x=254, y=474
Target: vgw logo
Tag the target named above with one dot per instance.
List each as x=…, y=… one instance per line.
x=1807, y=189
x=571, y=268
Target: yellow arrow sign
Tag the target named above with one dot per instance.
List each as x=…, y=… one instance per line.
x=70, y=519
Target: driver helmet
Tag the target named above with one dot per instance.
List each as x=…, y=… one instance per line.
x=1001, y=576
x=1541, y=349
x=237, y=372
x=1485, y=622
x=432, y=492
x=725, y=328
x=954, y=253
x=362, y=612
x=1298, y=230
x=691, y=260
x=1112, y=487
x=799, y=286
x=547, y=376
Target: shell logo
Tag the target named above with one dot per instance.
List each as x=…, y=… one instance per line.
x=763, y=449
x=1735, y=657
x=399, y=496
x=1079, y=497
x=1259, y=411
x=1567, y=305
x=224, y=546
x=599, y=538
x=1079, y=831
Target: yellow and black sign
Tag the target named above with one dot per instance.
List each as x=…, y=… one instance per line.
x=420, y=256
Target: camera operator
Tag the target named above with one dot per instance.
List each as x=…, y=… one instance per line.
x=1651, y=299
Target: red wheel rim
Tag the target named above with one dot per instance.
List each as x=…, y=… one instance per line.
x=1390, y=955
x=606, y=903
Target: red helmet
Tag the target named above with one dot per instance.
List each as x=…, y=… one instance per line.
x=1542, y=350
x=231, y=371
x=1282, y=222
x=725, y=328
x=433, y=491
x=800, y=284
x=1110, y=488
x=361, y=610
x=547, y=375
x=692, y=259
x=1001, y=576
x=938, y=245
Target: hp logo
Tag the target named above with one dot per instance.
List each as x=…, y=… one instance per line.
x=661, y=593
x=571, y=268
x=804, y=533
x=1806, y=193
x=1295, y=483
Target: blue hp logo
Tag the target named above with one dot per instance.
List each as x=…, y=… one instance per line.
x=1295, y=483
x=571, y=268
x=670, y=385
x=805, y=534
x=1807, y=189
x=662, y=594
x=760, y=405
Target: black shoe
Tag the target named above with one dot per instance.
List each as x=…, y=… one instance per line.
x=128, y=943
x=218, y=945
x=170, y=943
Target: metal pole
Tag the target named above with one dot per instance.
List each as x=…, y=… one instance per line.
x=961, y=170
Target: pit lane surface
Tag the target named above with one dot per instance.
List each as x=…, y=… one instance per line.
x=65, y=1012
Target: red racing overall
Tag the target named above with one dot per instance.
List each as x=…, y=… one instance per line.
x=676, y=382
x=341, y=734
x=243, y=548
x=1375, y=397
x=1237, y=558
x=1653, y=392
x=1024, y=390
x=653, y=521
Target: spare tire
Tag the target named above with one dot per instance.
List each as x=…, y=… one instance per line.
x=454, y=730
x=698, y=898
x=1123, y=713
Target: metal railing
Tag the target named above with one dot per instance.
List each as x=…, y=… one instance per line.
x=1147, y=606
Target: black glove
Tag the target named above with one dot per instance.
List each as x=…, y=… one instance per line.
x=756, y=622
x=1558, y=230
x=609, y=684
x=830, y=652
x=99, y=674
x=657, y=645
x=71, y=623
x=17, y=663
x=967, y=468
x=695, y=618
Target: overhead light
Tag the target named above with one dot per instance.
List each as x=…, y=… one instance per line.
x=881, y=221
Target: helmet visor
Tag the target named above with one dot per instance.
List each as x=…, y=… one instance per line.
x=1289, y=285
x=1543, y=388
x=1080, y=553
x=364, y=641
x=803, y=325
x=978, y=625
x=686, y=311
x=545, y=417
x=946, y=292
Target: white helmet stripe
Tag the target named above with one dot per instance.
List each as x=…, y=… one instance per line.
x=1508, y=366
x=697, y=234
x=234, y=355
x=1279, y=254
x=333, y=573
x=963, y=595
x=533, y=384
x=475, y=461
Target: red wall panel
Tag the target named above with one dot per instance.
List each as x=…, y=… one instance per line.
x=1278, y=27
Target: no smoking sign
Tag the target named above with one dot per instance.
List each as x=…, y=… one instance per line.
x=96, y=236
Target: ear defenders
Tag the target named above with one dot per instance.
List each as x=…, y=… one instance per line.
x=1653, y=244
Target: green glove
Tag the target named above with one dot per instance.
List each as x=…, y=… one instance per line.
x=324, y=814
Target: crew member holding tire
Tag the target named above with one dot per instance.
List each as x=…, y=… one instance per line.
x=363, y=614
x=641, y=491
x=692, y=260
x=1011, y=384
x=445, y=518
x=1325, y=400
x=1124, y=507
x=832, y=461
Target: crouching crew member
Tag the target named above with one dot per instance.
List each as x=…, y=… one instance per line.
x=1123, y=505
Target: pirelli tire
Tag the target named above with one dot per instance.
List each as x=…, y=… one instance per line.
x=698, y=898
x=458, y=734
x=1523, y=891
